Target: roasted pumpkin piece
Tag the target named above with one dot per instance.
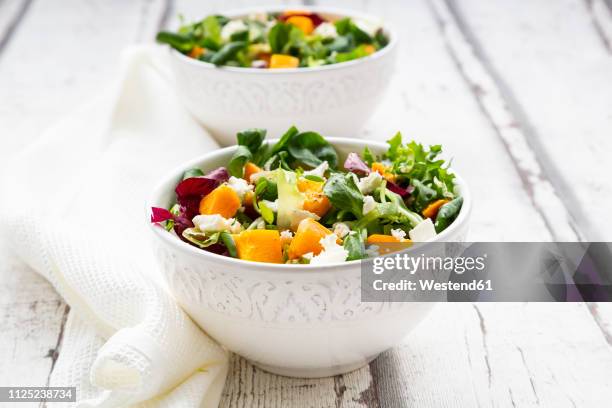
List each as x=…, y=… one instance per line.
x=381, y=238
x=432, y=208
x=379, y=168
x=197, y=52
x=249, y=170
x=223, y=200
x=259, y=246
x=303, y=23
x=307, y=238
x=283, y=61
x=317, y=203
x=306, y=186
x=369, y=49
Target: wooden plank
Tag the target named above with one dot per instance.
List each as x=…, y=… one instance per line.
x=42, y=79
x=556, y=79
x=31, y=316
x=11, y=13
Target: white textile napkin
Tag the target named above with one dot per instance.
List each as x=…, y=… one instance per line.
x=72, y=207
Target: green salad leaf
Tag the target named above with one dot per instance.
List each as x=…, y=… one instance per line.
x=344, y=194
x=447, y=214
x=240, y=157
x=355, y=245
x=311, y=149
x=278, y=37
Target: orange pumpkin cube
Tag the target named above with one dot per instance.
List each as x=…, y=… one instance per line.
x=379, y=168
x=249, y=170
x=196, y=52
x=432, y=209
x=307, y=238
x=369, y=49
x=303, y=23
x=381, y=238
x=223, y=200
x=283, y=61
x=259, y=246
x=309, y=186
x=317, y=203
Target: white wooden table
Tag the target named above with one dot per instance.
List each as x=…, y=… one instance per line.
x=520, y=94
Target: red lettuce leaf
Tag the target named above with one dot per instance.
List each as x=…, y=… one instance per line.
x=190, y=192
x=402, y=191
x=354, y=164
x=181, y=223
x=160, y=215
x=316, y=18
x=221, y=175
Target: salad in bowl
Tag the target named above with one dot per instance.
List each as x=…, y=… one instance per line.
x=294, y=201
x=272, y=40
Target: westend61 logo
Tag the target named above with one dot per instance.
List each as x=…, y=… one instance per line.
x=412, y=264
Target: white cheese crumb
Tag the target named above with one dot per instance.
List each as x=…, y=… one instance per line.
x=272, y=205
x=368, y=204
x=286, y=234
x=326, y=30
x=240, y=186
x=318, y=171
x=424, y=231
x=256, y=176
x=232, y=27
x=368, y=27
x=331, y=253
x=398, y=234
x=216, y=223
x=370, y=182
x=341, y=229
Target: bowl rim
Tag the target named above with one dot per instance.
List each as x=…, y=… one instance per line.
x=161, y=233
x=388, y=27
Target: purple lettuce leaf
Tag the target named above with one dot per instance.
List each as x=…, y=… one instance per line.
x=354, y=164
x=402, y=191
x=159, y=214
x=221, y=175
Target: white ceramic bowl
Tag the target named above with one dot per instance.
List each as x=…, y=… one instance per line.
x=295, y=320
x=334, y=99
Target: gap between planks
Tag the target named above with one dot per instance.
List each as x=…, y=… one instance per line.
x=10, y=19
x=539, y=176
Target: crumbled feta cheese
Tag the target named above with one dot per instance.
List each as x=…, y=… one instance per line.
x=286, y=236
x=272, y=205
x=368, y=27
x=331, y=253
x=398, y=234
x=341, y=229
x=424, y=231
x=231, y=28
x=318, y=171
x=299, y=215
x=240, y=186
x=256, y=176
x=216, y=223
x=368, y=204
x=326, y=30
x=370, y=182
x=258, y=223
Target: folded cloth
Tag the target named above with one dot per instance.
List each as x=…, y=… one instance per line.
x=73, y=209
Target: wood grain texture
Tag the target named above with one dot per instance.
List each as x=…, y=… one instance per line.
x=487, y=355
x=557, y=75
x=41, y=80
